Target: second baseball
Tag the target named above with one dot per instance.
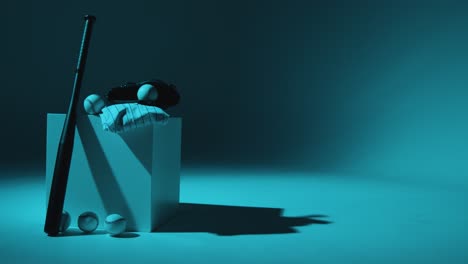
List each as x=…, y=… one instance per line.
x=88, y=222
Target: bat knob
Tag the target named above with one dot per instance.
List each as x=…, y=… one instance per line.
x=90, y=17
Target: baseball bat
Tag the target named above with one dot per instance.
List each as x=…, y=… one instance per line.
x=65, y=149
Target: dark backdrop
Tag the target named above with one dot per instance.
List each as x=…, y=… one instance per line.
x=372, y=87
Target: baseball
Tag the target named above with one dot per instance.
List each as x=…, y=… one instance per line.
x=147, y=92
x=88, y=222
x=115, y=224
x=64, y=221
x=93, y=104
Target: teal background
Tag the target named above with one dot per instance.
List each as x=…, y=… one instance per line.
x=313, y=131
x=362, y=87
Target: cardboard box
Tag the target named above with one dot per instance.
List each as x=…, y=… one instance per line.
x=135, y=174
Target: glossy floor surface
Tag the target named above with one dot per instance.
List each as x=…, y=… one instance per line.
x=258, y=216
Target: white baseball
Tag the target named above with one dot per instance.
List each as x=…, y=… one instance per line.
x=93, y=104
x=147, y=92
x=115, y=224
x=88, y=222
x=64, y=221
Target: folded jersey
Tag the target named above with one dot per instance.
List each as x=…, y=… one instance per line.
x=124, y=117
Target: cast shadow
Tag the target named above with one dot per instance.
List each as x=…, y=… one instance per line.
x=226, y=220
x=106, y=184
x=127, y=235
x=133, y=139
x=78, y=232
x=71, y=232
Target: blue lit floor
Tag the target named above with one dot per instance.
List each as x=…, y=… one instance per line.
x=235, y=217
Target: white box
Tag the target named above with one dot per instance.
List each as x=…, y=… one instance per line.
x=135, y=174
